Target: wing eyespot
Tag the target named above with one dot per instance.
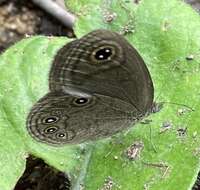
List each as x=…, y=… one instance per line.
x=50, y=120
x=61, y=135
x=103, y=53
x=81, y=101
x=51, y=130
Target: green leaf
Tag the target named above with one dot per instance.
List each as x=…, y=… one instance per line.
x=23, y=80
x=165, y=33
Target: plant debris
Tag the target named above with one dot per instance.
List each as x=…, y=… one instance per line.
x=133, y=152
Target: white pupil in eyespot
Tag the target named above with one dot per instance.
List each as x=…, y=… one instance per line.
x=51, y=130
x=81, y=100
x=61, y=135
x=50, y=120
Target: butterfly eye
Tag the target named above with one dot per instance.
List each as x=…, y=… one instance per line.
x=51, y=130
x=103, y=53
x=49, y=120
x=81, y=101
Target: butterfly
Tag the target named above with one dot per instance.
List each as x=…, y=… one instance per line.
x=99, y=85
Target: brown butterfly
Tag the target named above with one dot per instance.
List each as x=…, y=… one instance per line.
x=99, y=85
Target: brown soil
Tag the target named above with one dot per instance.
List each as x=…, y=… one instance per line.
x=40, y=176
x=19, y=18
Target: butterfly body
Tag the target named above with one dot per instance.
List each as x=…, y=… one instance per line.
x=99, y=85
